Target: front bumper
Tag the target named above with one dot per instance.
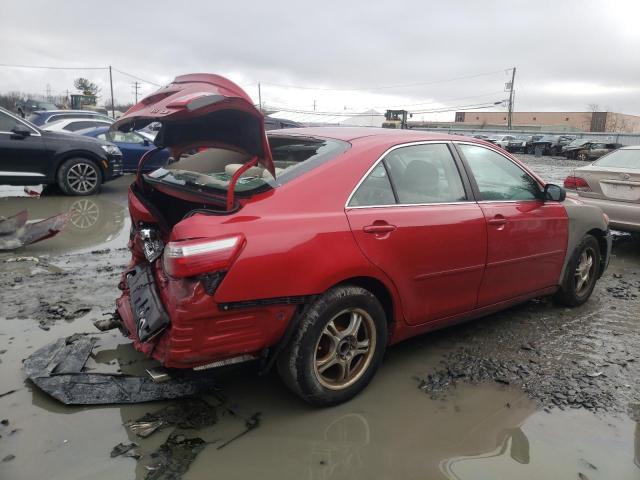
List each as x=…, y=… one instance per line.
x=115, y=167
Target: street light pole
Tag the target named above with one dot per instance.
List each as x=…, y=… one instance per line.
x=113, y=107
x=510, y=116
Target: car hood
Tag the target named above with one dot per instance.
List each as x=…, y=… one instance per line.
x=199, y=110
x=71, y=138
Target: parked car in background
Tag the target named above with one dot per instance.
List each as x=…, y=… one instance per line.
x=481, y=137
x=25, y=107
x=611, y=183
x=31, y=156
x=313, y=249
x=271, y=123
x=552, y=144
x=501, y=140
x=588, y=150
x=74, y=124
x=132, y=145
x=41, y=117
x=518, y=144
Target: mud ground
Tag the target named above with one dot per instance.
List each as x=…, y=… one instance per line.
x=536, y=391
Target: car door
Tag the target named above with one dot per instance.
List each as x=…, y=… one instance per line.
x=23, y=159
x=413, y=217
x=527, y=236
x=132, y=145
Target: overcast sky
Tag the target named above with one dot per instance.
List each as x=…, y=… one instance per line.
x=568, y=54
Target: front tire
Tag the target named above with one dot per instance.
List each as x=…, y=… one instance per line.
x=581, y=273
x=337, y=348
x=79, y=176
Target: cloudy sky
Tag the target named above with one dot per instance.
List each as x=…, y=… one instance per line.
x=354, y=55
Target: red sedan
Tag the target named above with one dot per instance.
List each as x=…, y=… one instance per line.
x=313, y=249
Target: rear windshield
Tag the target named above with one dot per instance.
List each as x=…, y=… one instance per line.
x=213, y=168
x=621, y=159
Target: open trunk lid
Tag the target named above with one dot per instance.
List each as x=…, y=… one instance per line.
x=202, y=109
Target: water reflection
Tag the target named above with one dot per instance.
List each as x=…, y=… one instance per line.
x=95, y=222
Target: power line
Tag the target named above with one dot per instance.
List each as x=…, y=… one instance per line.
x=136, y=77
x=446, y=100
x=450, y=108
x=383, y=87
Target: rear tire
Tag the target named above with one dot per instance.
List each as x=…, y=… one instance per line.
x=581, y=273
x=79, y=176
x=337, y=348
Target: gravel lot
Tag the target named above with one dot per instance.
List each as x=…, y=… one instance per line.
x=518, y=394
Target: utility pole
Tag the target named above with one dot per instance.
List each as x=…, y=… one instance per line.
x=136, y=87
x=259, y=97
x=510, y=116
x=113, y=105
x=314, y=105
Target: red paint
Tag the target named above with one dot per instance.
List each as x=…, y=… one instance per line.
x=440, y=263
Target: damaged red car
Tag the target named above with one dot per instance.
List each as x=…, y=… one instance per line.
x=313, y=249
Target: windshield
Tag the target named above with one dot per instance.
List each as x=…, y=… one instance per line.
x=213, y=168
x=578, y=142
x=621, y=159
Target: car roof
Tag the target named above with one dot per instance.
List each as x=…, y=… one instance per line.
x=373, y=134
x=71, y=112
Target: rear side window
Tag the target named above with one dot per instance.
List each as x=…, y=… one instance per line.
x=497, y=177
x=412, y=175
x=375, y=190
x=628, y=158
x=75, y=126
x=425, y=174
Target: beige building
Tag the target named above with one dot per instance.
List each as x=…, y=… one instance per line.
x=561, y=121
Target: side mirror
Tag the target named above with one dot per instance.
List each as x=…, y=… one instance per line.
x=21, y=131
x=554, y=193
x=146, y=142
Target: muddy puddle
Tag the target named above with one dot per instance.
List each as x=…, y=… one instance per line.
x=473, y=426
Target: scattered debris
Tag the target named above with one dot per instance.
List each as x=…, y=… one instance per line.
x=173, y=458
x=191, y=413
x=109, y=323
x=8, y=393
x=122, y=448
x=58, y=369
x=4, y=422
x=8, y=458
x=252, y=423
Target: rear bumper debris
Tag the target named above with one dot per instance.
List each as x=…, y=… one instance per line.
x=58, y=370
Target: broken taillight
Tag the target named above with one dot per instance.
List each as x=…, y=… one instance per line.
x=576, y=183
x=188, y=258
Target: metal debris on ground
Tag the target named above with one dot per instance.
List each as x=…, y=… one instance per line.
x=191, y=413
x=58, y=370
x=252, y=423
x=122, y=448
x=173, y=458
x=16, y=233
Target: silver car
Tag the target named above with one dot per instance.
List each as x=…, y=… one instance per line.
x=613, y=184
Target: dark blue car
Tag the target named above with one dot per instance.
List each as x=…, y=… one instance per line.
x=132, y=145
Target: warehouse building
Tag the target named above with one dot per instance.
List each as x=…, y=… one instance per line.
x=553, y=121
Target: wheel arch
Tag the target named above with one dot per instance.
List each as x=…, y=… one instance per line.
x=84, y=154
x=380, y=291
x=601, y=237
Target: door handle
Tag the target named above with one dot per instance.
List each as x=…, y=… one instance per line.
x=497, y=221
x=379, y=228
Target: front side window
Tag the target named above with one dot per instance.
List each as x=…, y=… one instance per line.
x=7, y=122
x=497, y=177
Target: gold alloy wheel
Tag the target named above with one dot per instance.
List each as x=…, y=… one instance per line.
x=585, y=270
x=345, y=349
